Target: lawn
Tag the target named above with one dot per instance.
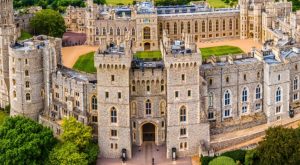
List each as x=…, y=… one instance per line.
x=24, y=36
x=116, y=2
x=85, y=63
x=219, y=51
x=148, y=55
x=3, y=115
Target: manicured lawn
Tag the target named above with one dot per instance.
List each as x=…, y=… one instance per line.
x=219, y=51
x=85, y=63
x=116, y=2
x=148, y=55
x=3, y=115
x=24, y=35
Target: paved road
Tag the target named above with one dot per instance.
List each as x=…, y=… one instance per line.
x=143, y=156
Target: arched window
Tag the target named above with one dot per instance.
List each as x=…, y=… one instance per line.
x=27, y=84
x=113, y=115
x=237, y=24
x=245, y=95
x=133, y=108
x=227, y=98
x=182, y=27
x=94, y=102
x=111, y=31
x=210, y=26
x=230, y=24
x=203, y=26
x=97, y=31
x=189, y=27
x=160, y=28
x=104, y=31
x=133, y=31
x=257, y=92
x=224, y=24
x=210, y=99
x=278, y=94
x=182, y=114
x=26, y=73
x=148, y=107
x=196, y=27
x=118, y=31
x=27, y=96
x=168, y=28
x=217, y=25
x=175, y=28
x=295, y=83
x=147, y=33
x=162, y=107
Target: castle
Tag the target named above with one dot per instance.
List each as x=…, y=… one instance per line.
x=180, y=101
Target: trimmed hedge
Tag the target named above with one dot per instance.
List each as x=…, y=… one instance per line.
x=206, y=159
x=222, y=160
x=236, y=155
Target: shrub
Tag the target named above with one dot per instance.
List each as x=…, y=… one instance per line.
x=251, y=157
x=222, y=160
x=206, y=159
x=236, y=155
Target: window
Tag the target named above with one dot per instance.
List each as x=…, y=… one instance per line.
x=196, y=27
x=217, y=25
x=182, y=131
x=189, y=93
x=183, y=146
x=210, y=81
x=94, y=102
x=279, y=77
x=26, y=61
x=227, y=113
x=230, y=24
x=258, y=75
x=295, y=96
x=175, y=28
x=162, y=88
x=134, y=124
x=183, y=77
x=162, y=107
x=210, y=115
x=112, y=77
x=278, y=94
x=148, y=88
x=133, y=108
x=203, y=26
x=26, y=73
x=148, y=107
x=182, y=114
x=133, y=32
x=14, y=82
x=104, y=31
x=210, y=99
x=113, y=133
x=245, y=95
x=118, y=31
x=257, y=106
x=113, y=115
x=227, y=98
x=27, y=96
x=106, y=95
x=189, y=27
x=245, y=77
x=244, y=109
x=111, y=31
x=168, y=28
x=257, y=92
x=227, y=79
x=162, y=124
x=210, y=26
x=95, y=119
x=176, y=94
x=224, y=24
x=295, y=85
x=119, y=95
x=147, y=33
x=278, y=109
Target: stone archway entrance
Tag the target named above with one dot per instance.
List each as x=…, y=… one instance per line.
x=148, y=132
x=147, y=46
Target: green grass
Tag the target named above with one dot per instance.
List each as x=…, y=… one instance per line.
x=219, y=51
x=3, y=115
x=85, y=63
x=148, y=55
x=24, y=35
x=116, y=2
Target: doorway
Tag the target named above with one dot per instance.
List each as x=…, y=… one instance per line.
x=149, y=132
x=147, y=46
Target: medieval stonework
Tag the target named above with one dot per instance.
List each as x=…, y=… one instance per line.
x=179, y=101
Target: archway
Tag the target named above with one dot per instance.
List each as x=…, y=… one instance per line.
x=148, y=132
x=147, y=46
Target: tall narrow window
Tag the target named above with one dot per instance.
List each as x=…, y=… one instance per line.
x=133, y=31
x=245, y=95
x=227, y=98
x=181, y=27
x=295, y=85
x=182, y=114
x=217, y=25
x=26, y=73
x=27, y=84
x=237, y=24
x=196, y=27
x=278, y=94
x=147, y=33
x=28, y=97
x=168, y=28
x=257, y=92
x=148, y=107
x=210, y=26
x=189, y=27
x=118, y=31
x=210, y=99
x=162, y=107
x=175, y=28
x=133, y=108
x=203, y=26
x=160, y=28
x=224, y=24
x=111, y=31
x=113, y=115
x=230, y=24
x=94, y=102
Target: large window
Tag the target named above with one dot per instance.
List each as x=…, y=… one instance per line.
x=227, y=99
x=245, y=95
x=148, y=107
x=28, y=97
x=257, y=92
x=94, y=103
x=278, y=94
x=113, y=115
x=182, y=114
x=147, y=33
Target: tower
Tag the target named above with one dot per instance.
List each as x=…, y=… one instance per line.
x=90, y=22
x=6, y=12
x=113, y=66
x=243, y=19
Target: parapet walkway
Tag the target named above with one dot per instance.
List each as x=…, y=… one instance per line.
x=247, y=137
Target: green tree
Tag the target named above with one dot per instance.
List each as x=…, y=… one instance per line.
x=23, y=141
x=67, y=153
x=251, y=157
x=48, y=22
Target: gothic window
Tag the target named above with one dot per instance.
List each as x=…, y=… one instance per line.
x=278, y=94
x=295, y=85
x=196, y=27
x=168, y=28
x=217, y=25
x=26, y=73
x=147, y=33
x=175, y=28
x=183, y=114
x=189, y=27
x=27, y=84
x=160, y=29
x=27, y=96
x=203, y=26
x=182, y=27
x=210, y=99
x=113, y=115
x=230, y=24
x=148, y=107
x=227, y=98
x=94, y=102
x=103, y=31
x=245, y=95
x=258, y=92
x=210, y=26
x=237, y=24
x=118, y=31
x=224, y=24
x=162, y=107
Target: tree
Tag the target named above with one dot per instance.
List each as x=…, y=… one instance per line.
x=280, y=146
x=23, y=141
x=67, y=153
x=48, y=22
x=251, y=157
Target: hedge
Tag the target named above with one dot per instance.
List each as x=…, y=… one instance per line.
x=236, y=155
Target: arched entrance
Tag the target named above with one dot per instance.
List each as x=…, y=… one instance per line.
x=148, y=132
x=147, y=46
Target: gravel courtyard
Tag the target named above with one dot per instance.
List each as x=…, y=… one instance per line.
x=71, y=54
